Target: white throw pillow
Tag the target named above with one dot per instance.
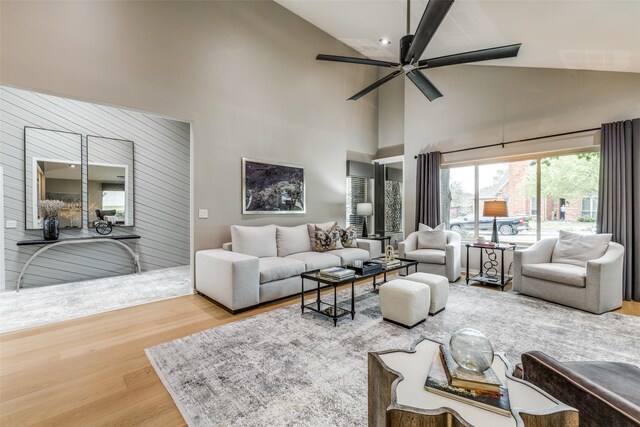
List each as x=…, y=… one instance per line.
x=432, y=239
x=577, y=249
x=292, y=240
x=424, y=227
x=312, y=231
x=255, y=241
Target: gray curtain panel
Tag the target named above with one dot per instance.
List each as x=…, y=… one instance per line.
x=619, y=200
x=428, y=189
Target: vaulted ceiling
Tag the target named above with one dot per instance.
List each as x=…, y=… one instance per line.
x=567, y=34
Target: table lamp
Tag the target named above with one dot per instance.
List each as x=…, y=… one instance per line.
x=364, y=209
x=495, y=208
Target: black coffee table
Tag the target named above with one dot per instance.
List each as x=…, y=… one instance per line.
x=334, y=311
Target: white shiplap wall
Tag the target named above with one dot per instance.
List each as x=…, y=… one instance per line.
x=161, y=179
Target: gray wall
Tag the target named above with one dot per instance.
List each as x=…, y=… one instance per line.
x=161, y=188
x=242, y=72
x=530, y=102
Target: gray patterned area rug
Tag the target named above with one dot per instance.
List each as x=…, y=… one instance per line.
x=283, y=368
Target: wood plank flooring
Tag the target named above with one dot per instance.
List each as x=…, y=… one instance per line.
x=93, y=371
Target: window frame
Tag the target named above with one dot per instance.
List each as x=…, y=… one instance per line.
x=537, y=157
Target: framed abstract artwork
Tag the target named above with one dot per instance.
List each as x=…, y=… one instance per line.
x=272, y=188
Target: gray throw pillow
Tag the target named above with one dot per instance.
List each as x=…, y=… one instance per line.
x=328, y=240
x=312, y=231
x=432, y=239
x=292, y=240
x=255, y=241
x=577, y=249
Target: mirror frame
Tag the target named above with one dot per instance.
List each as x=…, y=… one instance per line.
x=34, y=161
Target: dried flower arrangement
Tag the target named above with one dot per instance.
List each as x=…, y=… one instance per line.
x=50, y=208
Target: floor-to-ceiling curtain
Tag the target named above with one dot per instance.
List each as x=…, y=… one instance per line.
x=619, y=199
x=428, y=189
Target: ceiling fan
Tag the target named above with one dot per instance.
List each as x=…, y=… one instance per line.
x=413, y=46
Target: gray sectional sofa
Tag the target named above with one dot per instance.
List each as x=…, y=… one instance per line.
x=264, y=264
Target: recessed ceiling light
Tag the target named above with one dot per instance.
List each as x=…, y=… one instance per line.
x=385, y=41
x=72, y=166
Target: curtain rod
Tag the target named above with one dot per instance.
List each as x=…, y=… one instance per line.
x=518, y=140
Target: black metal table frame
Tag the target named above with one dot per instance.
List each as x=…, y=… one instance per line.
x=338, y=311
x=480, y=278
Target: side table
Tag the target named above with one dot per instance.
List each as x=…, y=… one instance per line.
x=397, y=396
x=488, y=271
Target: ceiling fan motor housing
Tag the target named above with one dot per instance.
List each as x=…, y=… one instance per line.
x=405, y=44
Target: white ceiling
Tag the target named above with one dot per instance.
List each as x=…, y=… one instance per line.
x=571, y=34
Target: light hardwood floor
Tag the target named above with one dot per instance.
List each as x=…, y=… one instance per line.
x=93, y=371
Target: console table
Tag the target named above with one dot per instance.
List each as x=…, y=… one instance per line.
x=48, y=244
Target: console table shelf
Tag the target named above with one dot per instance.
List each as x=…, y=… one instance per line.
x=48, y=244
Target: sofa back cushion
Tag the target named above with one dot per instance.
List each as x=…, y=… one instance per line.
x=577, y=249
x=312, y=231
x=434, y=239
x=292, y=240
x=328, y=240
x=255, y=241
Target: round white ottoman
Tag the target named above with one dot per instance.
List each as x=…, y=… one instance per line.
x=404, y=302
x=439, y=289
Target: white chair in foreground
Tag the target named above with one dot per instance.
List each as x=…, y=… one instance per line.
x=443, y=260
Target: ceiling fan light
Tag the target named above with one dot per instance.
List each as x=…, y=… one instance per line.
x=385, y=41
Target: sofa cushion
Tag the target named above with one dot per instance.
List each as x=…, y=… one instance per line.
x=565, y=274
x=439, y=227
x=577, y=249
x=317, y=260
x=255, y=241
x=311, y=228
x=274, y=268
x=349, y=237
x=348, y=255
x=291, y=240
x=428, y=256
x=432, y=239
x=327, y=240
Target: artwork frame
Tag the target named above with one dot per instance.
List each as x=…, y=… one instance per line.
x=273, y=188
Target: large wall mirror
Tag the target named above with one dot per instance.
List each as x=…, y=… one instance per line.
x=110, y=181
x=53, y=170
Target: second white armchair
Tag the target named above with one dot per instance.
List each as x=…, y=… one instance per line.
x=443, y=262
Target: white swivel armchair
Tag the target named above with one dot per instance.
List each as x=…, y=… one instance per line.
x=444, y=262
x=594, y=285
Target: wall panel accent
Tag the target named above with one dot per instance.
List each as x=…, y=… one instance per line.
x=161, y=180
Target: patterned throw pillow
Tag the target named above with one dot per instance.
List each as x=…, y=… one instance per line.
x=328, y=240
x=349, y=237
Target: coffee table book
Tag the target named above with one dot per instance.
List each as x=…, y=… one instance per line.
x=438, y=383
x=463, y=378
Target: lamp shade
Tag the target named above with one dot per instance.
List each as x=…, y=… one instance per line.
x=364, y=209
x=495, y=208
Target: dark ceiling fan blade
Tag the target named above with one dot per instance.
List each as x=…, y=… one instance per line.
x=431, y=19
x=473, y=56
x=423, y=83
x=371, y=87
x=350, y=60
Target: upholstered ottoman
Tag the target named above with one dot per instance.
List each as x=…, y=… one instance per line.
x=405, y=302
x=439, y=289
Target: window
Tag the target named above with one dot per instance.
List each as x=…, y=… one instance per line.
x=568, y=197
x=358, y=190
x=457, y=191
x=589, y=208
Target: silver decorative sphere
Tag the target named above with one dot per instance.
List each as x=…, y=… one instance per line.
x=471, y=350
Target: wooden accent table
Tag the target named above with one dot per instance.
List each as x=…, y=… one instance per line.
x=397, y=396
